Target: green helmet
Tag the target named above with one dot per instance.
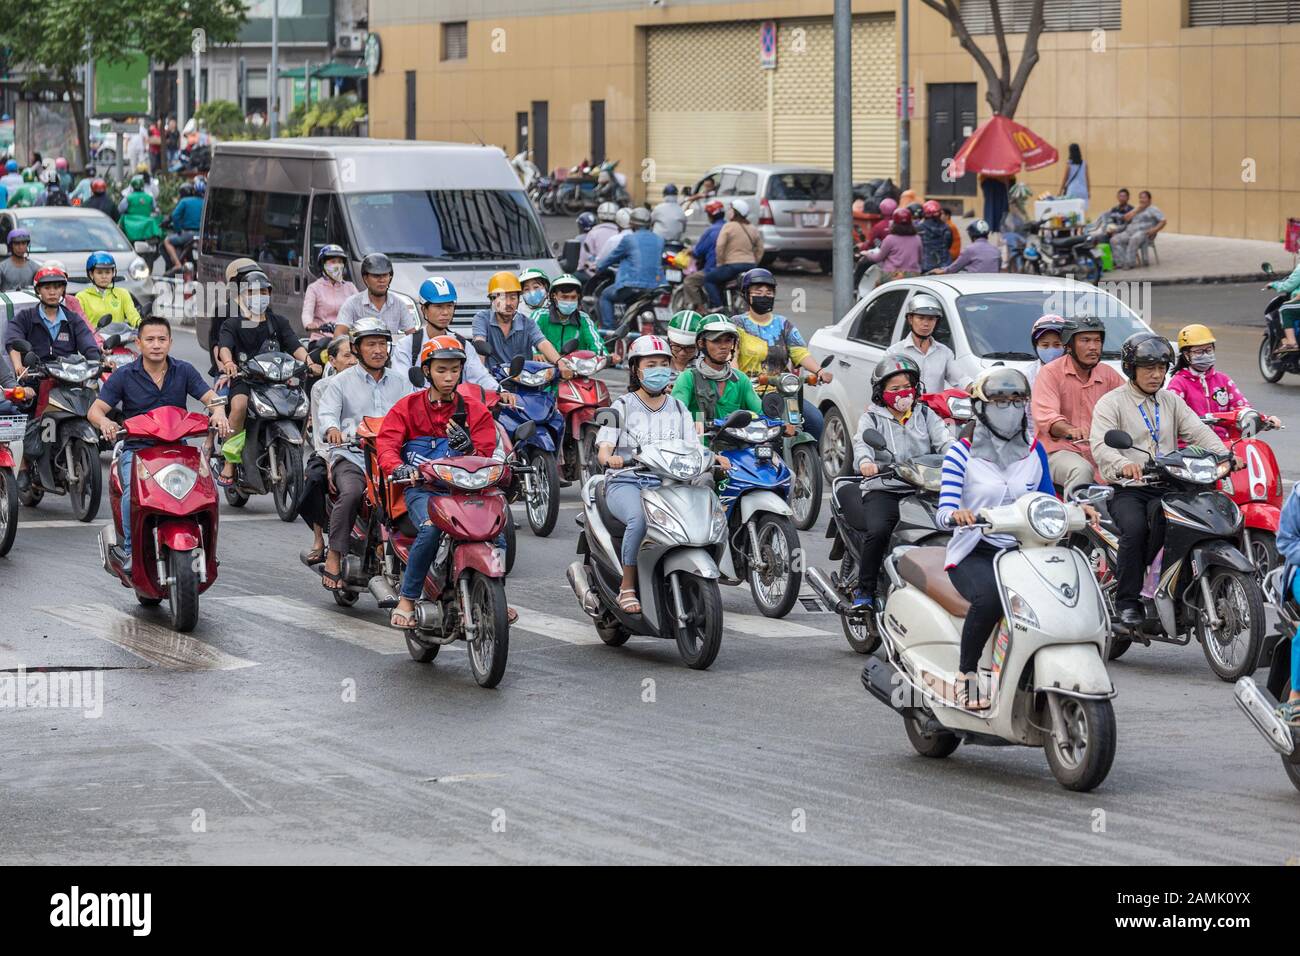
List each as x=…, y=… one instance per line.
x=137, y=183
x=534, y=274
x=29, y=175
x=715, y=326
x=565, y=281
x=684, y=326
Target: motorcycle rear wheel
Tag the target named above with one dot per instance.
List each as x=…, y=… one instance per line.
x=935, y=745
x=1269, y=368
x=235, y=498
x=510, y=534
x=1290, y=764
x=491, y=645
x=8, y=510
x=420, y=652
x=1263, y=553
x=806, y=487
x=1082, y=763
x=861, y=636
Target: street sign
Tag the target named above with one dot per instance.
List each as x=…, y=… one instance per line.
x=767, y=45
x=911, y=101
x=122, y=86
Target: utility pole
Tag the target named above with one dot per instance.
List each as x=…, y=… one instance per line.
x=905, y=122
x=273, y=79
x=842, y=216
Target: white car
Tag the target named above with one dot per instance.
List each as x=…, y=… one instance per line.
x=986, y=322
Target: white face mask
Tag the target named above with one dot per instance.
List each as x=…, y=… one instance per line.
x=258, y=304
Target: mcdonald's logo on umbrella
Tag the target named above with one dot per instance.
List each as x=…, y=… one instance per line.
x=1002, y=147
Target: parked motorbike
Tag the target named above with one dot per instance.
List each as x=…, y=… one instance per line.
x=677, y=565
x=69, y=462
x=916, y=482
x=578, y=399
x=1074, y=255
x=1260, y=703
x=173, y=516
x=535, y=402
x=1255, y=489
x=1044, y=669
x=1273, y=364
x=800, y=451
x=763, y=545
x=277, y=417
x=1206, y=587
x=12, y=428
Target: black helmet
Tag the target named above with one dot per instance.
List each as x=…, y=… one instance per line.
x=887, y=368
x=186, y=190
x=376, y=264
x=1144, y=348
x=1084, y=323
x=979, y=229
x=756, y=277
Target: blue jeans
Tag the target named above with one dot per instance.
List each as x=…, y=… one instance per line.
x=425, y=548
x=623, y=495
x=1295, y=641
x=612, y=295
x=124, y=470
x=813, y=421
x=719, y=276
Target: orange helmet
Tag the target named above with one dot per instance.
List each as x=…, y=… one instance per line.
x=503, y=282
x=442, y=347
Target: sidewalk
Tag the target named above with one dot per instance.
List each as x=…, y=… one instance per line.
x=1186, y=258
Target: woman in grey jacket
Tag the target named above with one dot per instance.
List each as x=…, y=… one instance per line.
x=910, y=429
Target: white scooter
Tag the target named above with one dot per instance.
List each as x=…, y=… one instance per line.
x=1045, y=668
x=677, y=564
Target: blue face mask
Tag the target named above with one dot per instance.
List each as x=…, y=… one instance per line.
x=655, y=380
x=534, y=297
x=1046, y=355
x=567, y=308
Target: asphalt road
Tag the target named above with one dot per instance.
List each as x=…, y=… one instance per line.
x=285, y=729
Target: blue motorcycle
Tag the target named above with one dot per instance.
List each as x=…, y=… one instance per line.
x=532, y=386
x=763, y=544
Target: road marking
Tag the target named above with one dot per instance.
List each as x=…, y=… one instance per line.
x=557, y=628
x=154, y=643
x=321, y=621
x=756, y=625
x=72, y=523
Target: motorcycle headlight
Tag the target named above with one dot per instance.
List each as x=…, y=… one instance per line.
x=535, y=379
x=755, y=432
x=788, y=384
x=176, y=480
x=1020, y=610
x=718, y=525
x=261, y=405
x=665, y=522
x=585, y=367
x=961, y=409
x=1048, y=518
x=468, y=480
x=683, y=467
x=1200, y=471
x=138, y=270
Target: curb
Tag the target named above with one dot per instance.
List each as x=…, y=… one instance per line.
x=1203, y=279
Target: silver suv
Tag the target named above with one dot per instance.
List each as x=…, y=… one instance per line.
x=791, y=206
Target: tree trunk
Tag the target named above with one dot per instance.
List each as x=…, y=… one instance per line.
x=78, y=119
x=1004, y=90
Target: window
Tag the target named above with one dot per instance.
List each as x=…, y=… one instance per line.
x=727, y=185
x=747, y=184
x=326, y=224
x=73, y=234
x=448, y=224
x=1059, y=16
x=1225, y=13
x=455, y=41
x=800, y=186
x=997, y=324
x=267, y=227
x=875, y=326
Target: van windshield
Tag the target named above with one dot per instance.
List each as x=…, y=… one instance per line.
x=447, y=224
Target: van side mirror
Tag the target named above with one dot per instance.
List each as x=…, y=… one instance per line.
x=516, y=365
x=415, y=376
x=1118, y=439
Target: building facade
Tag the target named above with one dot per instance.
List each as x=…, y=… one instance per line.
x=1187, y=98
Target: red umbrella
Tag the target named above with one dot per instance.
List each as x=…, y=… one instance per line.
x=1001, y=147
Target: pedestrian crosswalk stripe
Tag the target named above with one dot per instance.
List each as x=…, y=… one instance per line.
x=156, y=643
x=756, y=625
x=558, y=628
x=321, y=620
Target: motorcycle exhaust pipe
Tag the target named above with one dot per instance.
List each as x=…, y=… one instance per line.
x=825, y=590
x=580, y=580
x=886, y=683
x=383, y=592
x=1260, y=707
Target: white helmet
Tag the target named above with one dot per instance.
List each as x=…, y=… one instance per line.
x=623, y=218
x=606, y=211
x=741, y=207
x=647, y=345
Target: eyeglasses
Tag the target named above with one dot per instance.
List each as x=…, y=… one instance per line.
x=1201, y=350
x=1008, y=402
x=681, y=348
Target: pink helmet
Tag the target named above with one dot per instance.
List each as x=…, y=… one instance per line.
x=887, y=207
x=60, y=164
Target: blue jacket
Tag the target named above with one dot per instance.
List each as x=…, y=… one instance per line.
x=706, y=247
x=1288, y=531
x=188, y=214
x=639, y=256
x=73, y=334
x=1289, y=284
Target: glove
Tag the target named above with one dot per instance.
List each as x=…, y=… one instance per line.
x=458, y=438
x=405, y=473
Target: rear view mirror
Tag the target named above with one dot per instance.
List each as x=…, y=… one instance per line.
x=1266, y=268
x=873, y=439
x=105, y=319
x=30, y=358
x=516, y=365
x=524, y=432
x=1118, y=439
x=606, y=418
x=143, y=248
x=570, y=347
x=738, y=419
x=416, y=377
x=481, y=348
x=112, y=342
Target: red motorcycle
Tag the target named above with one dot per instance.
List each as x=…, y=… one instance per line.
x=12, y=428
x=1257, y=488
x=952, y=405
x=578, y=400
x=173, y=515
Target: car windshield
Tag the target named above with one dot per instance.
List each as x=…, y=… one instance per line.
x=74, y=234
x=447, y=224
x=800, y=186
x=997, y=324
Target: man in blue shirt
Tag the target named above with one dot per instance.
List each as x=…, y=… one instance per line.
x=705, y=254
x=639, y=256
x=186, y=219
x=506, y=331
x=155, y=380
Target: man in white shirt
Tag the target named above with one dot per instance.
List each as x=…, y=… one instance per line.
x=938, y=363
x=668, y=218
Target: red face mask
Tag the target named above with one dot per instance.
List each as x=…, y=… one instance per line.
x=901, y=400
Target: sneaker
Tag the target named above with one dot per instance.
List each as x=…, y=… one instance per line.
x=24, y=480
x=122, y=557
x=862, y=601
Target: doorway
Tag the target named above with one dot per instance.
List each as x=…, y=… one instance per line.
x=540, y=151
x=951, y=119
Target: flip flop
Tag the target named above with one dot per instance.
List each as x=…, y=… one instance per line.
x=511, y=615
x=400, y=615
x=331, y=581
x=313, y=557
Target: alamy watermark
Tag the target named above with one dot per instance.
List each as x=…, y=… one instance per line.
x=58, y=690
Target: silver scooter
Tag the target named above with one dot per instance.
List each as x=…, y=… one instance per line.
x=1045, y=668
x=677, y=564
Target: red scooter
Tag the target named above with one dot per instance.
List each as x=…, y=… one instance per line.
x=12, y=428
x=1257, y=488
x=173, y=516
x=952, y=405
x=578, y=399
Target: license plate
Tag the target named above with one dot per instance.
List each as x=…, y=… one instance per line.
x=793, y=411
x=673, y=275
x=663, y=313
x=813, y=219
x=764, y=452
x=12, y=427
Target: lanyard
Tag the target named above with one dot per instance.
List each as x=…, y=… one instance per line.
x=1154, y=432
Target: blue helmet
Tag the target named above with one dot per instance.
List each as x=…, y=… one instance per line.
x=200, y=186
x=437, y=289
x=11, y=166
x=585, y=221
x=670, y=190
x=330, y=251
x=100, y=260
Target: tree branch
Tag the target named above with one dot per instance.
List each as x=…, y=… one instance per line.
x=992, y=80
x=1004, y=58
x=1027, y=60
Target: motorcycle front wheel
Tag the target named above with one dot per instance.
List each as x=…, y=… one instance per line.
x=543, y=505
x=806, y=488
x=775, y=585
x=8, y=510
x=491, y=644
x=1232, y=649
x=699, y=640
x=183, y=592
x=288, y=489
x=1082, y=761
x=84, y=492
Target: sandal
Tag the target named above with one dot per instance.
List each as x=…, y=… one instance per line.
x=313, y=557
x=511, y=615
x=964, y=700
x=627, y=601
x=331, y=580
x=1290, y=712
x=402, y=620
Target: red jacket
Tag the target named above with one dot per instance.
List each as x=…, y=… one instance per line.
x=416, y=417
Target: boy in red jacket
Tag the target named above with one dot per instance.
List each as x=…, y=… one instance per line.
x=421, y=427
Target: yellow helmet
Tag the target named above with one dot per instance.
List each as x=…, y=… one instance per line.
x=1193, y=335
x=503, y=282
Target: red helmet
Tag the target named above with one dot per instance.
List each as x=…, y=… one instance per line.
x=902, y=214
x=98, y=186
x=713, y=207
x=49, y=275
x=931, y=209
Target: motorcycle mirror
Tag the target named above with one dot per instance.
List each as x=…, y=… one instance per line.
x=739, y=418
x=570, y=347
x=112, y=342
x=105, y=319
x=416, y=377
x=143, y=248
x=1266, y=268
x=21, y=346
x=1118, y=439
x=31, y=359
x=516, y=365
x=524, y=432
x=874, y=439
x=481, y=348
x=606, y=418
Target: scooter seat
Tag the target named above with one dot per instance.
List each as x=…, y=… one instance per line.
x=607, y=517
x=923, y=568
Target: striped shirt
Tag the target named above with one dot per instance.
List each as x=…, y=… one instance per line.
x=973, y=483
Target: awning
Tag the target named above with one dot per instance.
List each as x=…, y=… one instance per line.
x=326, y=71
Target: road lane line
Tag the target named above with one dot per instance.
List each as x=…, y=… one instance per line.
x=155, y=643
x=756, y=625
x=72, y=523
x=557, y=628
x=321, y=621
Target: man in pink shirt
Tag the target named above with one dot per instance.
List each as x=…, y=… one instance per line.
x=1065, y=393
x=325, y=296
